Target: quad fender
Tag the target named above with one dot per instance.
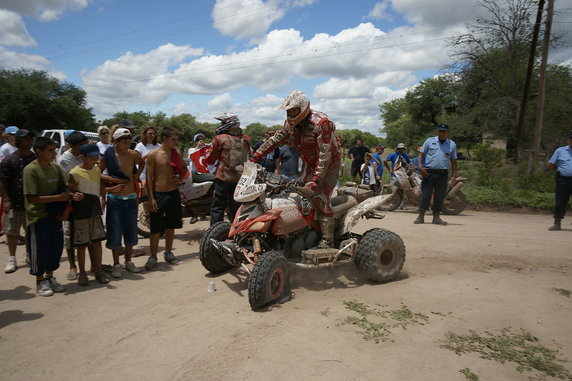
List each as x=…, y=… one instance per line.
x=355, y=213
x=258, y=224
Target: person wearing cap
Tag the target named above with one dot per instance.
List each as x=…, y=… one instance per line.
x=148, y=142
x=126, y=123
x=67, y=161
x=86, y=224
x=10, y=145
x=12, y=191
x=357, y=155
x=124, y=166
x=105, y=139
x=395, y=158
x=561, y=162
x=438, y=155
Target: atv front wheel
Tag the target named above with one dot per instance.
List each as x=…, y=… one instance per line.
x=210, y=257
x=269, y=281
x=381, y=255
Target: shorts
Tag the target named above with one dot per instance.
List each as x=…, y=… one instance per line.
x=121, y=222
x=168, y=214
x=12, y=221
x=356, y=168
x=87, y=230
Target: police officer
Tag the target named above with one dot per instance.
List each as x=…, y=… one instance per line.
x=440, y=154
x=561, y=162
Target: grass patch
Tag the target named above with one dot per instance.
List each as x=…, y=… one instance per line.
x=562, y=291
x=520, y=348
x=375, y=324
x=469, y=375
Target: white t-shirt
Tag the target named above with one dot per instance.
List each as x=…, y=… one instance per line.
x=103, y=146
x=369, y=174
x=68, y=162
x=143, y=150
x=6, y=150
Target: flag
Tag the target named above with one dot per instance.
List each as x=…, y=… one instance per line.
x=198, y=157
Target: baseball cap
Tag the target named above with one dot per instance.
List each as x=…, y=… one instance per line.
x=400, y=146
x=67, y=133
x=23, y=133
x=443, y=127
x=126, y=123
x=11, y=130
x=121, y=133
x=102, y=128
x=380, y=146
x=89, y=150
x=198, y=136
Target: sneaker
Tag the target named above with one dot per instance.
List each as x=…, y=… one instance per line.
x=101, y=277
x=11, y=266
x=151, y=263
x=130, y=266
x=170, y=258
x=56, y=287
x=116, y=271
x=45, y=288
x=193, y=220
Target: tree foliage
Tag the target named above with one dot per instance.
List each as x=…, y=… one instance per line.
x=36, y=101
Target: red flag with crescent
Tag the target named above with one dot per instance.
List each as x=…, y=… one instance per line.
x=198, y=157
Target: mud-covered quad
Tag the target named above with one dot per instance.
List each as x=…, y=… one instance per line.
x=276, y=227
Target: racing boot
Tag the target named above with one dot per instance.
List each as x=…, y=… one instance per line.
x=437, y=220
x=556, y=225
x=421, y=218
x=327, y=228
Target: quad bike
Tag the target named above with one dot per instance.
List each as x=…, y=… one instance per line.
x=276, y=227
x=196, y=200
x=409, y=190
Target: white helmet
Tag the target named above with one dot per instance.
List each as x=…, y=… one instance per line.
x=296, y=99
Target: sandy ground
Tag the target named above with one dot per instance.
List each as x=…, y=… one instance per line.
x=485, y=271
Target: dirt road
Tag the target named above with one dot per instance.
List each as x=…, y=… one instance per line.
x=485, y=271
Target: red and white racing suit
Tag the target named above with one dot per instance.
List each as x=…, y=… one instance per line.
x=319, y=148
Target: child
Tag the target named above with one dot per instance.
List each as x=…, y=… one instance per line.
x=46, y=198
x=86, y=225
x=369, y=174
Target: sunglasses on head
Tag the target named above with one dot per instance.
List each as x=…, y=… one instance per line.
x=104, y=133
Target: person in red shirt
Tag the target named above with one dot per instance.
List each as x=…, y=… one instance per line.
x=231, y=148
x=314, y=135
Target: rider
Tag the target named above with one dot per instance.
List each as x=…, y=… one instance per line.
x=314, y=136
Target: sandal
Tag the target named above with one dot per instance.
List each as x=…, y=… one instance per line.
x=83, y=280
x=71, y=276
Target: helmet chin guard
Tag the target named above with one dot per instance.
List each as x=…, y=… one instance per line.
x=295, y=99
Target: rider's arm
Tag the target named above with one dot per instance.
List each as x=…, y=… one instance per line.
x=269, y=145
x=325, y=138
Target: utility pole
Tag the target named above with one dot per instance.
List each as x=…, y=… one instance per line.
x=542, y=81
x=524, y=102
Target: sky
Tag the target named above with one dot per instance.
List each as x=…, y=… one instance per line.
x=243, y=56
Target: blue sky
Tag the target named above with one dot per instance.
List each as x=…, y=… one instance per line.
x=206, y=57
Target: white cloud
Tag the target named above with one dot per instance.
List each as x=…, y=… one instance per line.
x=10, y=59
x=250, y=18
x=13, y=32
x=182, y=108
x=44, y=10
x=379, y=11
x=337, y=88
x=440, y=13
x=220, y=103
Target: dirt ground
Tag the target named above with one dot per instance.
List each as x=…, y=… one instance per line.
x=485, y=271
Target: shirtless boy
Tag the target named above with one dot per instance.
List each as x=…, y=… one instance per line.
x=165, y=171
x=121, y=216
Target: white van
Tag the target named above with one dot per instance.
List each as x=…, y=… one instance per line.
x=58, y=137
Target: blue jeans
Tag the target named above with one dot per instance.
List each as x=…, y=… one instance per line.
x=121, y=221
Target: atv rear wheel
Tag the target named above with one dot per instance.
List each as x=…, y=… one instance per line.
x=143, y=221
x=456, y=204
x=210, y=258
x=269, y=282
x=381, y=255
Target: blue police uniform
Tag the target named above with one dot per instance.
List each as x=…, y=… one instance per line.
x=562, y=159
x=437, y=157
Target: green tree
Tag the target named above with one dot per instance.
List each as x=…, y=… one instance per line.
x=36, y=101
x=141, y=119
x=255, y=131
